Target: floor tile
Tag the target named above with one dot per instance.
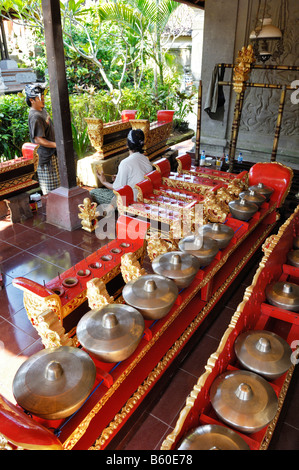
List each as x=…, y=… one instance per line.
x=195, y=362
x=237, y=297
x=48, y=229
x=33, y=222
x=20, y=264
x=58, y=252
x=287, y=439
x=21, y=321
x=11, y=301
x=8, y=230
x=221, y=323
x=14, y=338
x=148, y=435
x=174, y=397
x=7, y=251
x=6, y=280
x=88, y=242
x=26, y=239
x=44, y=273
x=76, y=237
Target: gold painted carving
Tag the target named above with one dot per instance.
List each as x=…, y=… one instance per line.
x=241, y=71
x=97, y=294
x=88, y=214
x=97, y=130
x=46, y=322
x=157, y=246
x=5, y=445
x=130, y=267
x=216, y=203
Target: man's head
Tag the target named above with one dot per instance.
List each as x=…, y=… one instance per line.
x=135, y=140
x=35, y=95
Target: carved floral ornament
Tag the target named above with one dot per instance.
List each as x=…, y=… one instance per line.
x=244, y=62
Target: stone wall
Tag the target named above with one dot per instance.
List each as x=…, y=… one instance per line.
x=228, y=24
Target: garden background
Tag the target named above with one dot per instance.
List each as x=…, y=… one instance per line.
x=117, y=56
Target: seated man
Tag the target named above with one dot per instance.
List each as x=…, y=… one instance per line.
x=131, y=170
x=41, y=131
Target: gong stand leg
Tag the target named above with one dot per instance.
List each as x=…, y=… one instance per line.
x=278, y=124
x=198, y=127
x=235, y=129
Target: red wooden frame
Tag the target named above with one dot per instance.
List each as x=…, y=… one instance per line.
x=252, y=313
x=121, y=388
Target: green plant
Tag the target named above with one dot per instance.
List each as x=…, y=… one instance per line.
x=89, y=103
x=13, y=126
x=81, y=141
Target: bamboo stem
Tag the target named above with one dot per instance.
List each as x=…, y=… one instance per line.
x=278, y=124
x=198, y=127
x=235, y=129
x=261, y=85
x=293, y=68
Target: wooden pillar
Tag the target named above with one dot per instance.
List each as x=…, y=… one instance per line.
x=62, y=203
x=59, y=92
x=3, y=43
x=198, y=127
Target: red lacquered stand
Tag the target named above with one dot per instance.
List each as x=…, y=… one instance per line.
x=252, y=313
x=121, y=388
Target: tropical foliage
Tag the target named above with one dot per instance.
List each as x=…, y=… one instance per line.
x=116, y=57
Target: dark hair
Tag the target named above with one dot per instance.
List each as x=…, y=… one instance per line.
x=28, y=102
x=135, y=140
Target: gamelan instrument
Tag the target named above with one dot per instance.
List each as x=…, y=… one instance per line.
x=253, y=196
x=262, y=189
x=152, y=295
x=54, y=383
x=284, y=295
x=203, y=247
x=246, y=379
x=242, y=209
x=131, y=357
x=222, y=233
x=112, y=333
x=264, y=353
x=213, y=437
x=244, y=400
x=178, y=266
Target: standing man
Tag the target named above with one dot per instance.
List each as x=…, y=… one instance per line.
x=41, y=131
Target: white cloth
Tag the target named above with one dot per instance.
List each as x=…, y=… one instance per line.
x=131, y=171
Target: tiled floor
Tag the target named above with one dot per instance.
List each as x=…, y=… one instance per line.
x=39, y=251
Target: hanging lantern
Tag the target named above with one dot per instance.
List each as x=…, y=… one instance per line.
x=265, y=32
